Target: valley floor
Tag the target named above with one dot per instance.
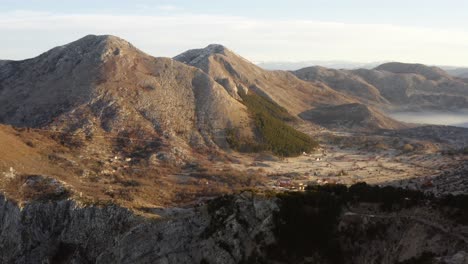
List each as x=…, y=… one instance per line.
x=348, y=163
x=335, y=165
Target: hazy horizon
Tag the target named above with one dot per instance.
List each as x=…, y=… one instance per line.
x=261, y=31
x=456, y=118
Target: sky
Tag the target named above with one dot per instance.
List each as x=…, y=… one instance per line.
x=430, y=32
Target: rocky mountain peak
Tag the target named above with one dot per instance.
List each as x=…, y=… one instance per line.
x=194, y=56
x=216, y=48
x=99, y=41
x=91, y=48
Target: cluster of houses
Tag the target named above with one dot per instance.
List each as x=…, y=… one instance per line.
x=287, y=184
x=290, y=185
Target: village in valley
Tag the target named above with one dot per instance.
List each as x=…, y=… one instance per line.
x=331, y=164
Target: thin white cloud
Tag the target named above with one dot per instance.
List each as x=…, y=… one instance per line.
x=25, y=34
x=167, y=7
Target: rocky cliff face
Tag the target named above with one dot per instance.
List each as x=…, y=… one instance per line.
x=231, y=229
x=400, y=239
x=227, y=231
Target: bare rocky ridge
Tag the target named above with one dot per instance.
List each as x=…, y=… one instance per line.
x=431, y=73
x=323, y=88
x=414, y=91
x=102, y=84
x=237, y=74
x=35, y=91
x=404, y=86
x=345, y=82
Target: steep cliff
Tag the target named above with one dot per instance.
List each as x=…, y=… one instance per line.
x=313, y=227
x=228, y=230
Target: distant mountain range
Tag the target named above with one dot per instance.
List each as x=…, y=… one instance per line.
x=103, y=85
x=457, y=72
x=396, y=86
x=292, y=66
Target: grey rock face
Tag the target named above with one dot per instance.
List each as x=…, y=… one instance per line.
x=63, y=231
x=459, y=258
x=230, y=229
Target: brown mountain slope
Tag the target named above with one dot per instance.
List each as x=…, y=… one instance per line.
x=430, y=73
x=237, y=74
x=299, y=97
x=415, y=91
x=102, y=84
x=343, y=81
x=395, y=86
x=27, y=151
x=34, y=166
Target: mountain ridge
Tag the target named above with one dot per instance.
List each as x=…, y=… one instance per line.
x=395, y=86
x=103, y=84
x=430, y=72
x=236, y=73
x=343, y=81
